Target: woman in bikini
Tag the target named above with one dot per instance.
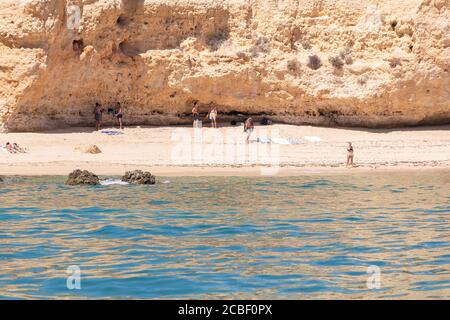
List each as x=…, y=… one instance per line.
x=248, y=128
x=349, y=154
x=18, y=148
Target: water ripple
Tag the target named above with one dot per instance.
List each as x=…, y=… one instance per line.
x=303, y=237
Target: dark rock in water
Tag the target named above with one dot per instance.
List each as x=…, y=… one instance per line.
x=233, y=123
x=139, y=177
x=79, y=177
x=1, y=179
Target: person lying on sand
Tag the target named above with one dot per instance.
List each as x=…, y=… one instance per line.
x=248, y=128
x=19, y=148
x=350, y=154
x=9, y=147
x=14, y=148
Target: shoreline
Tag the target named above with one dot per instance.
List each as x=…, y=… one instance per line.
x=63, y=169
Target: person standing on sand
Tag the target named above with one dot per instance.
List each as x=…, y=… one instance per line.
x=195, y=114
x=213, y=116
x=349, y=154
x=248, y=128
x=98, y=113
x=119, y=115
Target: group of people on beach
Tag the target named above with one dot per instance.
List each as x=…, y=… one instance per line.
x=115, y=112
x=248, y=127
x=14, y=148
x=212, y=116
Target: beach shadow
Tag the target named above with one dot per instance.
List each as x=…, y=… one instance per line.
x=444, y=127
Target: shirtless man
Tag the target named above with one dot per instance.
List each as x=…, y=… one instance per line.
x=98, y=113
x=119, y=115
x=195, y=114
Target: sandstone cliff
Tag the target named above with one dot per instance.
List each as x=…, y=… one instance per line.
x=347, y=62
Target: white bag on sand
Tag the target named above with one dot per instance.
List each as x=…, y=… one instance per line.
x=198, y=124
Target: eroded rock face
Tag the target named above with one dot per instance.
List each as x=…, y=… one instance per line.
x=82, y=177
x=139, y=177
x=319, y=62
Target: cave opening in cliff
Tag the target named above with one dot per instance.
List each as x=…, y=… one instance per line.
x=122, y=21
x=216, y=39
x=393, y=24
x=78, y=45
x=128, y=49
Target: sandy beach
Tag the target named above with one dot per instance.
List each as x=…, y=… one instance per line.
x=183, y=151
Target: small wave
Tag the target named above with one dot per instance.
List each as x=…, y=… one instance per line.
x=111, y=182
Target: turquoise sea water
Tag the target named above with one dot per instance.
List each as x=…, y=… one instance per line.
x=235, y=237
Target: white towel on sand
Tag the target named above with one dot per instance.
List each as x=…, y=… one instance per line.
x=313, y=138
x=283, y=141
x=280, y=141
x=263, y=140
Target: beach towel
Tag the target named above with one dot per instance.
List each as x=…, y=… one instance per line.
x=313, y=139
x=111, y=132
x=294, y=141
x=263, y=140
x=282, y=141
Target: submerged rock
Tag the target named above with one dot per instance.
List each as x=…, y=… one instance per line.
x=139, y=177
x=1, y=179
x=80, y=177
